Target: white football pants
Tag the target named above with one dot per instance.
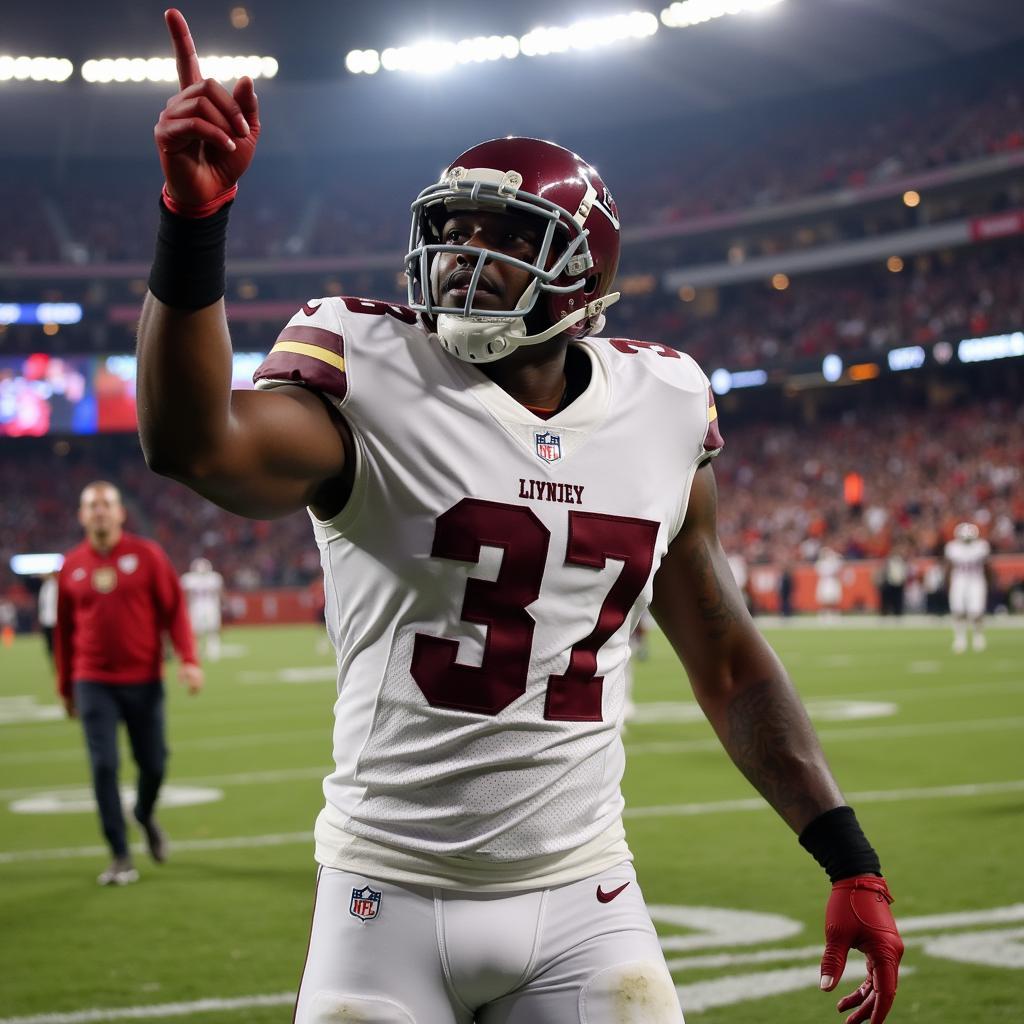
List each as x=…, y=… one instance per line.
x=967, y=597
x=582, y=953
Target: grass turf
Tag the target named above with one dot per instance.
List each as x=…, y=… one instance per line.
x=228, y=923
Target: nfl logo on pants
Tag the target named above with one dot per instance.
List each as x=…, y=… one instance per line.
x=365, y=903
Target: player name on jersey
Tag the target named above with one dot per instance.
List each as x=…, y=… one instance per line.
x=546, y=490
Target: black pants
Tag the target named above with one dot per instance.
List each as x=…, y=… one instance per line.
x=141, y=707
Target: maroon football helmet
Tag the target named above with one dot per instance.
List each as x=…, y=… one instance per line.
x=576, y=261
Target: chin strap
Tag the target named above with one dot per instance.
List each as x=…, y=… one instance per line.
x=485, y=339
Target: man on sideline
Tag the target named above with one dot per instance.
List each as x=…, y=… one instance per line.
x=117, y=595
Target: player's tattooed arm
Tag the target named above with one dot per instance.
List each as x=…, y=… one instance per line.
x=736, y=676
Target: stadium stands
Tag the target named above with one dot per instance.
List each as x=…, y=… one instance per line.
x=737, y=188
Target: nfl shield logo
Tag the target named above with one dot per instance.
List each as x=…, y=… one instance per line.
x=365, y=903
x=549, y=446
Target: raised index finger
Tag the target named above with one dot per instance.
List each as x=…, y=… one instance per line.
x=184, y=49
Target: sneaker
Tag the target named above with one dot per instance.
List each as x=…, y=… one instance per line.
x=120, y=872
x=978, y=642
x=156, y=839
x=960, y=645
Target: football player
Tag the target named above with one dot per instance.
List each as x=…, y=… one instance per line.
x=966, y=568
x=204, y=589
x=497, y=494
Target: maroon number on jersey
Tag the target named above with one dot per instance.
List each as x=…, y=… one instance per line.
x=501, y=605
x=593, y=539
x=631, y=348
x=375, y=308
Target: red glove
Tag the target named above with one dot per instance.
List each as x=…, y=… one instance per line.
x=206, y=136
x=858, y=917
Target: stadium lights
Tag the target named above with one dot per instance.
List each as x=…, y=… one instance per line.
x=35, y=69
x=688, y=13
x=435, y=55
x=909, y=357
x=993, y=346
x=431, y=56
x=163, y=69
x=40, y=313
x=589, y=34
x=41, y=564
x=723, y=381
x=832, y=368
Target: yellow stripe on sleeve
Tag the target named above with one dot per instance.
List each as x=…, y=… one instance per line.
x=712, y=413
x=313, y=351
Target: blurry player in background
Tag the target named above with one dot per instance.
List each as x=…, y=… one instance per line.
x=639, y=650
x=47, y=609
x=741, y=574
x=497, y=496
x=204, y=589
x=829, y=593
x=967, y=571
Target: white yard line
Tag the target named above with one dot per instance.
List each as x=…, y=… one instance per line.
x=225, y=843
x=854, y=733
x=155, y=1011
x=207, y=743
x=867, y=797
x=655, y=747
x=663, y=811
x=237, y=779
x=701, y=995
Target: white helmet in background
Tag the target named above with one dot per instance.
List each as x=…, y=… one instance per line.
x=966, y=531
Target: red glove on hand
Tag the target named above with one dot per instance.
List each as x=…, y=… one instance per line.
x=858, y=917
x=206, y=136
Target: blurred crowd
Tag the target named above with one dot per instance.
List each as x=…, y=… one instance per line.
x=864, y=485
x=732, y=161
x=41, y=482
x=946, y=296
x=872, y=483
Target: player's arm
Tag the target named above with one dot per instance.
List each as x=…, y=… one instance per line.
x=737, y=679
x=747, y=696
x=257, y=454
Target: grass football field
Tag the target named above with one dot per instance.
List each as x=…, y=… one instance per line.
x=926, y=745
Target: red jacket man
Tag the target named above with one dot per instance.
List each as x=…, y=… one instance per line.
x=117, y=596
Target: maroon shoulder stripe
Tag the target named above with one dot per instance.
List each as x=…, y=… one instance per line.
x=306, y=370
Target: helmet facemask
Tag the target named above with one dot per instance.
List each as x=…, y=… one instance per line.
x=482, y=335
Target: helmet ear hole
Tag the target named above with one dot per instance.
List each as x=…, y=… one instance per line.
x=590, y=284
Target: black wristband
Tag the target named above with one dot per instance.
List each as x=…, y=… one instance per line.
x=835, y=840
x=189, y=269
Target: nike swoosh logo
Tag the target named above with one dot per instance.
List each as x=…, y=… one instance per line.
x=310, y=310
x=607, y=897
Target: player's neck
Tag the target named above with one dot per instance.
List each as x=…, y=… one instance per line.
x=535, y=376
x=106, y=543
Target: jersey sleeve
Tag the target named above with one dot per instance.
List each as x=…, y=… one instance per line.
x=680, y=372
x=310, y=351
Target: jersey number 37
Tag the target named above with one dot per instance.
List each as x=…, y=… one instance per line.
x=501, y=605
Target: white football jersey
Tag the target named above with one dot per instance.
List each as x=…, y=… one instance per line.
x=967, y=558
x=203, y=593
x=481, y=587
